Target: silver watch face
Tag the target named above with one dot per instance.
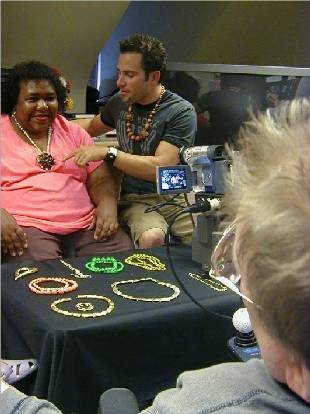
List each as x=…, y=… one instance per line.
x=113, y=150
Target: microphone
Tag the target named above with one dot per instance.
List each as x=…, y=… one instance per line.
x=245, y=336
x=244, y=345
x=118, y=401
x=203, y=206
x=241, y=320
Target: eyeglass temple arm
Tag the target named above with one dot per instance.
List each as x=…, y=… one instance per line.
x=232, y=287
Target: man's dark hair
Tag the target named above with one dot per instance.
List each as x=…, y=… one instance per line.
x=154, y=55
x=232, y=80
x=26, y=71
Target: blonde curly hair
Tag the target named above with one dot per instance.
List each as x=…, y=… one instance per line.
x=268, y=194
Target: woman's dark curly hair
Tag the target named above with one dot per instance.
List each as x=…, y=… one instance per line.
x=25, y=71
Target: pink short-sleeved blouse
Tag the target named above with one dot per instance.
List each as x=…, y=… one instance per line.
x=57, y=200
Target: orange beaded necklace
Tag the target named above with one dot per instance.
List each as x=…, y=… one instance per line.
x=145, y=132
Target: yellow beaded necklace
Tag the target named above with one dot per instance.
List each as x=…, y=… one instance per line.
x=175, y=289
x=145, y=261
x=213, y=284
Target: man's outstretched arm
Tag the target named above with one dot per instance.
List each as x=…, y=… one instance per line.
x=94, y=126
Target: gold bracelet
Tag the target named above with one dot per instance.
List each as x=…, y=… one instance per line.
x=77, y=273
x=24, y=271
x=84, y=306
x=145, y=261
x=68, y=286
x=213, y=284
x=175, y=289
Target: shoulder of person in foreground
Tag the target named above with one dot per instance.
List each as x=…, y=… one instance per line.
x=227, y=389
x=14, y=401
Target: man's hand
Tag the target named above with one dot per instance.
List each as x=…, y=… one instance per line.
x=13, y=238
x=104, y=222
x=83, y=155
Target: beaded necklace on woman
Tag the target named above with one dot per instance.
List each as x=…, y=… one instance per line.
x=146, y=128
x=44, y=158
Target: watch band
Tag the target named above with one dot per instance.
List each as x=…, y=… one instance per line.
x=111, y=155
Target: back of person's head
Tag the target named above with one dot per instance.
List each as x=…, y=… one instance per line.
x=269, y=195
x=184, y=85
x=154, y=56
x=26, y=71
x=229, y=80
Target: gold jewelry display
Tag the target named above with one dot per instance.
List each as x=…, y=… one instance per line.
x=24, y=271
x=145, y=261
x=176, y=290
x=145, y=131
x=68, y=286
x=77, y=273
x=213, y=284
x=44, y=158
x=83, y=306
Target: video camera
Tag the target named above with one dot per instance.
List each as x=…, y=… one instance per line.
x=204, y=175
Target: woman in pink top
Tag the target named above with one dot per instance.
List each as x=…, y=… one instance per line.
x=48, y=202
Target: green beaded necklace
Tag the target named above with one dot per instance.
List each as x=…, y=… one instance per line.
x=104, y=265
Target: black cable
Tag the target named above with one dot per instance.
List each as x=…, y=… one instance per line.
x=152, y=207
x=188, y=204
x=158, y=206
x=165, y=203
x=125, y=203
x=176, y=275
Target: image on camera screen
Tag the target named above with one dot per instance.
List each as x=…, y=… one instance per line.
x=173, y=179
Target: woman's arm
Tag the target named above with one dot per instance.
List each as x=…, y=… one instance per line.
x=103, y=186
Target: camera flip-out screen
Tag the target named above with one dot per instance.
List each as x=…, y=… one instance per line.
x=173, y=180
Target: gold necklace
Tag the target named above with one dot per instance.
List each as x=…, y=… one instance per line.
x=176, y=290
x=44, y=158
x=77, y=273
x=145, y=131
x=145, y=261
x=213, y=284
x=83, y=306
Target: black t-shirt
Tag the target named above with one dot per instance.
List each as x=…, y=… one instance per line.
x=227, y=111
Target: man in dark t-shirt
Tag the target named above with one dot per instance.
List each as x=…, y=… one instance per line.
x=227, y=109
x=172, y=123
x=152, y=124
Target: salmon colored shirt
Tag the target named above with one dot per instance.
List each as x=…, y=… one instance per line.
x=54, y=201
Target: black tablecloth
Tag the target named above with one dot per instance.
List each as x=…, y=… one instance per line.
x=141, y=346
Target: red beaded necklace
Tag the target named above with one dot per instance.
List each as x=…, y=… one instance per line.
x=145, y=132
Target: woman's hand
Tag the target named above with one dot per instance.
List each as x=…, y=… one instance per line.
x=83, y=155
x=13, y=238
x=104, y=221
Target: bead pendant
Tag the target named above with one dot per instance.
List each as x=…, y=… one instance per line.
x=45, y=161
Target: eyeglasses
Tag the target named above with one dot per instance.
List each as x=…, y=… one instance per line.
x=222, y=266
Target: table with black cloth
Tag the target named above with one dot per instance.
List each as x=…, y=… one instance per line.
x=142, y=346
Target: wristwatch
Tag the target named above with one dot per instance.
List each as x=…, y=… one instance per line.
x=111, y=155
